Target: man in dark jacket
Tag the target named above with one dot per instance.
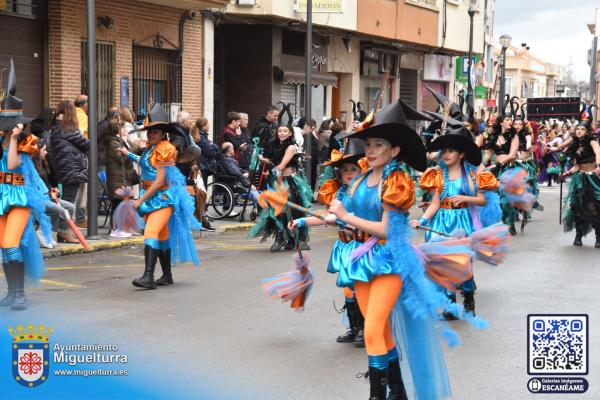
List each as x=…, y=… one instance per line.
x=266, y=127
x=308, y=131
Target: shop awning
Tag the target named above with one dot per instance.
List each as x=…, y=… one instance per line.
x=298, y=78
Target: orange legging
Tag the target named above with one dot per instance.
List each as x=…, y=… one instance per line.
x=376, y=300
x=12, y=226
x=348, y=293
x=157, y=224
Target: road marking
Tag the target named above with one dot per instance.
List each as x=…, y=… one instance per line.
x=62, y=284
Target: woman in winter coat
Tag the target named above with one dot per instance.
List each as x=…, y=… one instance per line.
x=68, y=152
x=119, y=169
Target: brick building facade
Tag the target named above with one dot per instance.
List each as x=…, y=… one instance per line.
x=134, y=24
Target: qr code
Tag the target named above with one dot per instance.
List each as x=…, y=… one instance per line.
x=557, y=344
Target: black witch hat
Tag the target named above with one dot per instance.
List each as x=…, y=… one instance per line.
x=457, y=137
x=455, y=111
x=354, y=151
x=391, y=123
x=11, y=107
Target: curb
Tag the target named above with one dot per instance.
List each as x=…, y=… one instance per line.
x=244, y=226
x=136, y=241
x=70, y=249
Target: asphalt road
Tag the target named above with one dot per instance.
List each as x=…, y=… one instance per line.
x=231, y=336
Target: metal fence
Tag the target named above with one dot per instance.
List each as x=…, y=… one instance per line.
x=156, y=78
x=105, y=75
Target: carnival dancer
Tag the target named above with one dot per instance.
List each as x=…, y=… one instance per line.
x=457, y=195
x=286, y=171
x=385, y=270
x=347, y=165
x=504, y=145
x=526, y=161
x=164, y=202
x=22, y=198
x=582, y=205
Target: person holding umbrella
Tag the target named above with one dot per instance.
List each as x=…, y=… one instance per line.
x=22, y=197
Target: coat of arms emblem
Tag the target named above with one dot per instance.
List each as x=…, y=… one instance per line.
x=30, y=354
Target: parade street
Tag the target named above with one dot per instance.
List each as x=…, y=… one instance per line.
x=219, y=312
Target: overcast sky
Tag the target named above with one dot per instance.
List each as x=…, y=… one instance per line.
x=556, y=30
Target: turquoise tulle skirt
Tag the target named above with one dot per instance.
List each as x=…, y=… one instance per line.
x=491, y=213
x=300, y=193
x=582, y=205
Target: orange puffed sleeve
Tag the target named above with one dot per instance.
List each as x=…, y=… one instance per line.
x=328, y=190
x=399, y=190
x=363, y=163
x=28, y=145
x=487, y=181
x=163, y=154
x=432, y=179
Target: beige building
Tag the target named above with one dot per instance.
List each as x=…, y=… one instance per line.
x=355, y=43
x=529, y=76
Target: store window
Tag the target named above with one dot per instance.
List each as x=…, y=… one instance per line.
x=156, y=78
x=23, y=8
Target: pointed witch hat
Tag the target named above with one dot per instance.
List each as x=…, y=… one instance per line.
x=457, y=137
x=354, y=151
x=391, y=123
x=11, y=107
x=455, y=111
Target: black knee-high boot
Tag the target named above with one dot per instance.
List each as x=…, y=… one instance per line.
x=395, y=382
x=164, y=256
x=378, y=382
x=147, y=280
x=597, y=244
x=351, y=308
x=10, y=282
x=19, y=301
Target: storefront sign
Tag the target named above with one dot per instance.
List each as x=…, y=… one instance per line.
x=321, y=6
x=437, y=68
x=124, y=91
x=319, y=57
x=477, y=74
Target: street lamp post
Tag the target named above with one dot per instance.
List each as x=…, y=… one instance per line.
x=505, y=42
x=308, y=81
x=470, y=97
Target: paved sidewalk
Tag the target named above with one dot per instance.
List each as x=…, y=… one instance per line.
x=106, y=242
